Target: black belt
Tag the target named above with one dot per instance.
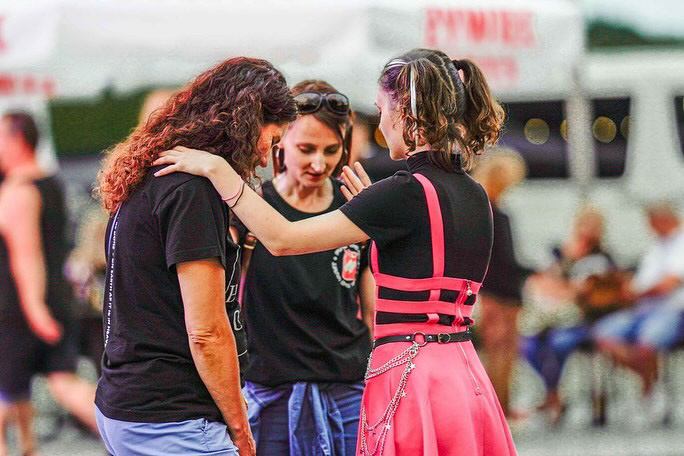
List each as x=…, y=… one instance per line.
x=441, y=338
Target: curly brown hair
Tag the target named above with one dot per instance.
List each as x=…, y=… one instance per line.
x=221, y=112
x=341, y=124
x=452, y=115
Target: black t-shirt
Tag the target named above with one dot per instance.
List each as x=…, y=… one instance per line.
x=148, y=374
x=394, y=213
x=301, y=311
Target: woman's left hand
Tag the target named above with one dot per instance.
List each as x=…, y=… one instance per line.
x=191, y=161
x=354, y=182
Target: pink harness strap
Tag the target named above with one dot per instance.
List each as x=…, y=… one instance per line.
x=430, y=283
x=374, y=258
x=389, y=305
x=433, y=284
x=436, y=226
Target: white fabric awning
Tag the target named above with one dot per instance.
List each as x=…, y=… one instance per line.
x=76, y=48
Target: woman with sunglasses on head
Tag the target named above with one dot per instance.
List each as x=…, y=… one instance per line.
x=307, y=347
x=426, y=391
x=170, y=374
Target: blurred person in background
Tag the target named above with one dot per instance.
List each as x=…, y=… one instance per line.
x=37, y=333
x=634, y=337
x=375, y=160
x=361, y=139
x=85, y=269
x=86, y=265
x=426, y=391
x=563, y=323
x=154, y=100
x=170, y=374
x=307, y=347
x=498, y=171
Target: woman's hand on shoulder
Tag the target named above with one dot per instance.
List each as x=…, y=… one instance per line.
x=355, y=180
x=191, y=161
x=200, y=163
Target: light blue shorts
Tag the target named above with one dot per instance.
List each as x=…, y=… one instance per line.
x=192, y=437
x=652, y=323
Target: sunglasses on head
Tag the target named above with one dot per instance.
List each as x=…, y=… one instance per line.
x=309, y=102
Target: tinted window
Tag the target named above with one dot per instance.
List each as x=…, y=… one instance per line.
x=537, y=130
x=679, y=119
x=610, y=130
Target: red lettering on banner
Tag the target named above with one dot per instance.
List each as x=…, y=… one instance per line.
x=444, y=28
x=29, y=84
x=3, y=45
x=26, y=85
x=502, y=71
x=432, y=17
x=49, y=87
x=6, y=84
x=477, y=26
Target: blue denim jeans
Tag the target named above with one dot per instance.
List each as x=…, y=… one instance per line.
x=547, y=352
x=655, y=323
x=304, y=419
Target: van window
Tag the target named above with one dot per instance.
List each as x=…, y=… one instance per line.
x=610, y=130
x=679, y=119
x=537, y=130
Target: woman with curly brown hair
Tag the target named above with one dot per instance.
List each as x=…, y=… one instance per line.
x=426, y=391
x=170, y=375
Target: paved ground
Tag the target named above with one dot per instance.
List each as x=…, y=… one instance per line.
x=632, y=429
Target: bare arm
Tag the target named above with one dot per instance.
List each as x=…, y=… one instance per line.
x=665, y=286
x=367, y=297
x=279, y=236
x=21, y=202
x=212, y=344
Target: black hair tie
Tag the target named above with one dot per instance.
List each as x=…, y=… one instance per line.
x=459, y=64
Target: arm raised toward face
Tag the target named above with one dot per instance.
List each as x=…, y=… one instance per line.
x=279, y=236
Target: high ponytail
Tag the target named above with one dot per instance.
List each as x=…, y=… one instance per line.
x=483, y=116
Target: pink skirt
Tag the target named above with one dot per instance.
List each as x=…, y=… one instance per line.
x=444, y=405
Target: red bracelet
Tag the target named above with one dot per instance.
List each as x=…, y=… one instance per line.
x=236, y=193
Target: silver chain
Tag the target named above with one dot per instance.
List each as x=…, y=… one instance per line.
x=404, y=358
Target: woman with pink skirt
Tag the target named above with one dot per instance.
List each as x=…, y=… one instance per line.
x=426, y=391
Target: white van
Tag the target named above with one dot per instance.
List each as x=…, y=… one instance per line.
x=633, y=122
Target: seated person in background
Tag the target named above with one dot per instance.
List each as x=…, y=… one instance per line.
x=559, y=290
x=633, y=337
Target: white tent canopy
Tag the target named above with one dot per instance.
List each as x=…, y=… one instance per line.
x=75, y=48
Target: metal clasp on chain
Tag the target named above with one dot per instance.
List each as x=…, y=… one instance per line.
x=425, y=341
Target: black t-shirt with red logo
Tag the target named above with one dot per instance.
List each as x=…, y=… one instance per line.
x=148, y=373
x=301, y=312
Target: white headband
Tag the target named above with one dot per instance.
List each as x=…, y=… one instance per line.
x=398, y=62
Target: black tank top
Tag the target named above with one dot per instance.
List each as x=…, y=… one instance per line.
x=53, y=225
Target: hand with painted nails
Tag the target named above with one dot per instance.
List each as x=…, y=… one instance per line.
x=354, y=182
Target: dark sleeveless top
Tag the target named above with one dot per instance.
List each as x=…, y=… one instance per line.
x=53, y=225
